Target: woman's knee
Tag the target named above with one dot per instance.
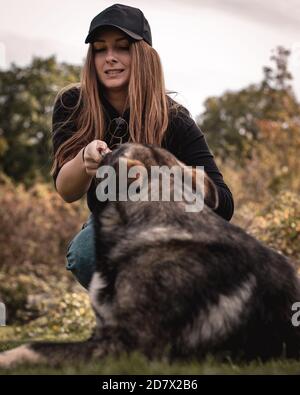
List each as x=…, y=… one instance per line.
x=80, y=255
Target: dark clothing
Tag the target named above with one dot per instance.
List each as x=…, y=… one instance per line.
x=183, y=139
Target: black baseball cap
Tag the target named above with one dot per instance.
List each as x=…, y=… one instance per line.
x=129, y=19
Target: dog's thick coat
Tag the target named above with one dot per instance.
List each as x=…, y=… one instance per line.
x=179, y=284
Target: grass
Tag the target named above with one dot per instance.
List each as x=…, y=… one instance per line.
x=138, y=364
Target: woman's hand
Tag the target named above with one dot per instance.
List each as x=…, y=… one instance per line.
x=93, y=155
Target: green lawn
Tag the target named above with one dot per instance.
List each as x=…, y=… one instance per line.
x=137, y=364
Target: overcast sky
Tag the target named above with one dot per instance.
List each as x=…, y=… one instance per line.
x=206, y=46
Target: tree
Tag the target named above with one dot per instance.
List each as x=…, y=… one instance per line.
x=26, y=100
x=231, y=122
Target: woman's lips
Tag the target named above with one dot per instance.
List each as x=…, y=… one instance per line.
x=114, y=73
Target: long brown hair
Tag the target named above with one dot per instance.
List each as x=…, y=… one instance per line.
x=148, y=101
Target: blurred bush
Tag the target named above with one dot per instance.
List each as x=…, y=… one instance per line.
x=36, y=227
x=278, y=224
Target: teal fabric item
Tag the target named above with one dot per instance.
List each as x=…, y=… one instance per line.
x=81, y=256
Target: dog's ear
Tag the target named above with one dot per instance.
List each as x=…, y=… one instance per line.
x=128, y=165
x=130, y=162
x=211, y=197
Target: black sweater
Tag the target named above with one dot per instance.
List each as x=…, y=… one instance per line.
x=183, y=139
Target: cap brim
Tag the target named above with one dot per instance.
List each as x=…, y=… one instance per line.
x=91, y=35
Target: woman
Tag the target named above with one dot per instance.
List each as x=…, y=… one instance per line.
x=121, y=97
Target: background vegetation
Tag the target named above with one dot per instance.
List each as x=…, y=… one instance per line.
x=254, y=134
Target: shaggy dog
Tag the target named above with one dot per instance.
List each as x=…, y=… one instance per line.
x=174, y=283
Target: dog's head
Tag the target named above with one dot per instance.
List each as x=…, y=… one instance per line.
x=133, y=166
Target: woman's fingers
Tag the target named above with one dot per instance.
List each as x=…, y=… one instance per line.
x=95, y=150
x=102, y=148
x=101, y=145
x=94, y=154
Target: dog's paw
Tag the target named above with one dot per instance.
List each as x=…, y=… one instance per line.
x=16, y=356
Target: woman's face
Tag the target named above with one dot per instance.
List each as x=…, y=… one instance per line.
x=112, y=58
